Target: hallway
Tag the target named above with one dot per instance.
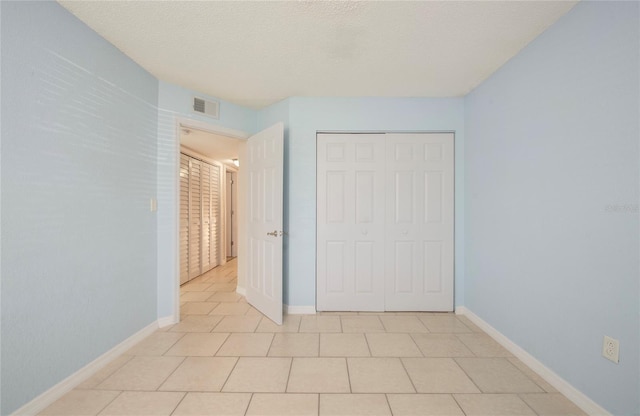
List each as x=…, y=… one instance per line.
x=225, y=358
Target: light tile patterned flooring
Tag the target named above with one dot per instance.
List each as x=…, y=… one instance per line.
x=225, y=358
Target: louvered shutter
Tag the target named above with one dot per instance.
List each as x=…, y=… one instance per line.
x=207, y=261
x=215, y=214
x=195, y=218
x=184, y=219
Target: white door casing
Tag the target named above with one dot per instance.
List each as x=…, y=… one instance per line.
x=385, y=217
x=350, y=232
x=264, y=204
x=184, y=219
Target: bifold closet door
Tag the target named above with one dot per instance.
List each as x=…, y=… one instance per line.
x=350, y=222
x=195, y=218
x=210, y=215
x=385, y=222
x=199, y=217
x=208, y=257
x=419, y=222
x=184, y=218
x=216, y=221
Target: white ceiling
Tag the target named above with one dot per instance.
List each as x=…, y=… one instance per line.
x=221, y=148
x=255, y=53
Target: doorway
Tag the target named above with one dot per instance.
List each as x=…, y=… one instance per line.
x=258, y=209
x=207, y=158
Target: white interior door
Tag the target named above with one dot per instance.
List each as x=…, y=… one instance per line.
x=419, y=226
x=350, y=222
x=264, y=200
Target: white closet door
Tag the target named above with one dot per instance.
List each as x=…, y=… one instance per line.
x=184, y=218
x=350, y=222
x=214, y=229
x=195, y=218
x=419, y=226
x=206, y=190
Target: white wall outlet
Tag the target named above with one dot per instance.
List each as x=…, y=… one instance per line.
x=153, y=205
x=611, y=349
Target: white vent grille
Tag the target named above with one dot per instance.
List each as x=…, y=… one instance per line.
x=208, y=108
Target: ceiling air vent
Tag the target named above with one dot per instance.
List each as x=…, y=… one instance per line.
x=208, y=108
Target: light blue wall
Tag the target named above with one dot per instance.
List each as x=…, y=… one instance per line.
x=174, y=103
x=309, y=115
x=78, y=170
x=551, y=155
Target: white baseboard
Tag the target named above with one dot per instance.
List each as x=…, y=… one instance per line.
x=576, y=396
x=241, y=291
x=299, y=310
x=38, y=404
x=166, y=321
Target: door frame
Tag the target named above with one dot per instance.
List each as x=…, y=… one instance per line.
x=455, y=157
x=185, y=122
x=234, y=207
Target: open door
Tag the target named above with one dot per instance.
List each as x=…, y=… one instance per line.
x=264, y=209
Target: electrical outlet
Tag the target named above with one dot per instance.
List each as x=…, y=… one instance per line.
x=153, y=205
x=611, y=349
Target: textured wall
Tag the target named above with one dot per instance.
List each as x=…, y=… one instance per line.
x=552, y=184
x=78, y=170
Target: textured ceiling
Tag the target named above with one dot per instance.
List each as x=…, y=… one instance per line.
x=257, y=53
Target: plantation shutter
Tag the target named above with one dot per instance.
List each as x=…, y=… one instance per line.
x=184, y=218
x=195, y=219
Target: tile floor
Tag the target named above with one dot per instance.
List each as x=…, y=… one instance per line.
x=225, y=358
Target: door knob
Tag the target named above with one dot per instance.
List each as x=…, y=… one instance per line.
x=273, y=233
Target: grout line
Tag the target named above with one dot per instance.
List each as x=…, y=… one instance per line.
x=346, y=361
x=176, y=341
x=170, y=374
x=460, y=407
x=286, y=386
x=527, y=404
x=466, y=345
x=466, y=374
x=273, y=336
x=386, y=398
x=178, y=404
x=229, y=375
x=404, y=367
x=248, y=404
x=228, y=335
x=366, y=340
x=105, y=406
